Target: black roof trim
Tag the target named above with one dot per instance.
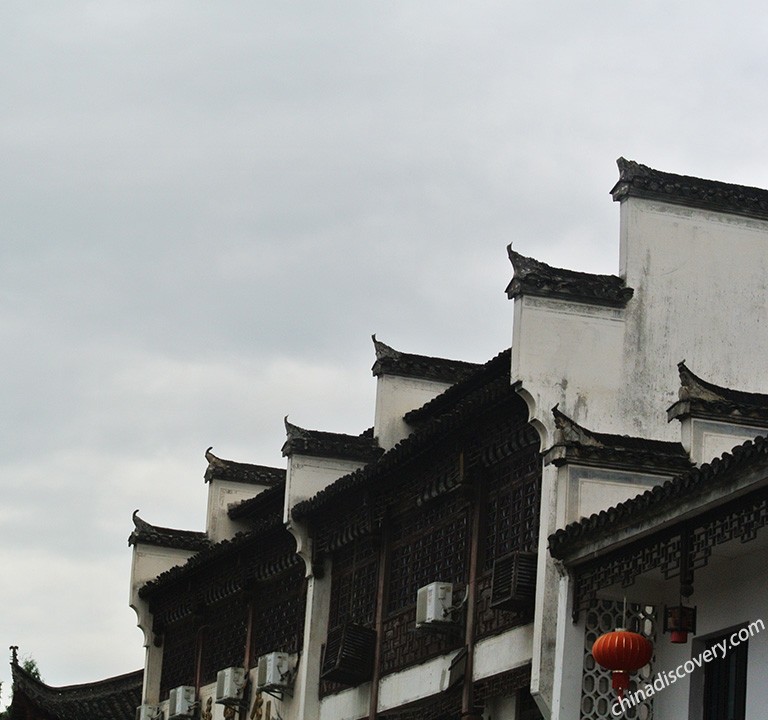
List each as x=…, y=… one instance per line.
x=115, y=698
x=269, y=502
x=702, y=399
x=317, y=443
x=393, y=362
x=636, y=180
x=633, y=511
x=496, y=387
x=219, y=469
x=575, y=443
x=498, y=365
x=149, y=534
x=533, y=277
x=211, y=554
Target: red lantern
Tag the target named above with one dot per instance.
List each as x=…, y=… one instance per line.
x=622, y=652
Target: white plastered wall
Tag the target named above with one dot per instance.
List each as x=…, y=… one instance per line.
x=147, y=563
x=395, y=396
x=700, y=283
x=222, y=494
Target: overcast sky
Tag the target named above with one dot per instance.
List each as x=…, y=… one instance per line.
x=207, y=209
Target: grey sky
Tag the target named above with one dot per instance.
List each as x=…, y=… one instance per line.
x=207, y=208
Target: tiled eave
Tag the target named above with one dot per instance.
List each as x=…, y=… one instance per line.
x=266, y=504
x=112, y=699
x=577, y=445
x=220, y=469
x=498, y=366
x=149, y=534
x=393, y=362
x=317, y=443
x=702, y=399
x=636, y=180
x=743, y=470
x=533, y=277
x=210, y=556
x=494, y=390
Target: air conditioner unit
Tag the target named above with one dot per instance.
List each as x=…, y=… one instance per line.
x=513, y=586
x=181, y=702
x=434, y=603
x=149, y=712
x=348, y=655
x=276, y=671
x=230, y=684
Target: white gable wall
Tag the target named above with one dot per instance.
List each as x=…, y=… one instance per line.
x=700, y=283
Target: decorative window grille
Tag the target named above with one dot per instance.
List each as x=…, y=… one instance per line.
x=278, y=606
x=429, y=543
x=353, y=585
x=179, y=653
x=597, y=696
x=512, y=510
x=224, y=637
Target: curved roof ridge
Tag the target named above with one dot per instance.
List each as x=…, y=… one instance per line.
x=497, y=365
x=220, y=469
x=145, y=532
x=321, y=443
x=534, y=277
x=693, y=386
x=394, y=362
x=636, y=180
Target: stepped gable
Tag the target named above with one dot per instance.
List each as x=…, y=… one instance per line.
x=115, y=698
x=317, y=443
x=575, y=443
x=658, y=499
x=492, y=390
x=393, y=362
x=636, y=180
x=166, y=537
x=533, y=277
x=267, y=504
x=701, y=399
x=219, y=469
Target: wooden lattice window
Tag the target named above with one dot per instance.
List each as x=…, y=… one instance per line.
x=513, y=505
x=278, y=613
x=224, y=637
x=429, y=543
x=179, y=656
x=353, y=585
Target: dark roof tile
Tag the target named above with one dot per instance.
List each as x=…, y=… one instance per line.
x=533, y=277
x=393, y=362
x=636, y=180
x=702, y=399
x=495, y=387
x=318, y=443
x=574, y=443
x=268, y=503
x=219, y=469
x=166, y=537
x=113, y=699
x=651, y=502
